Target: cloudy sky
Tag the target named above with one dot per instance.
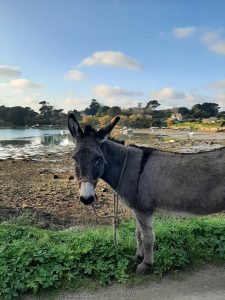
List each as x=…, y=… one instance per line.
x=119, y=52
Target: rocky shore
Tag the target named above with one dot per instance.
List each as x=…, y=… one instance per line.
x=44, y=186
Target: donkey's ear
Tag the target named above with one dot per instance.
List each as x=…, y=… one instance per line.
x=104, y=131
x=74, y=126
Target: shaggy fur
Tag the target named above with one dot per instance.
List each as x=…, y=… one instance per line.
x=155, y=180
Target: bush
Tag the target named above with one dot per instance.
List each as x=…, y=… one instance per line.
x=33, y=259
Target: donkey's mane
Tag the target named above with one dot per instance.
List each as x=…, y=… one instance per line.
x=89, y=131
x=115, y=140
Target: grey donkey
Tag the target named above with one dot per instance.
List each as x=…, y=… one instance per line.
x=152, y=180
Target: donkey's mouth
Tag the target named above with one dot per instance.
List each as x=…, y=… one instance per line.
x=87, y=192
x=87, y=201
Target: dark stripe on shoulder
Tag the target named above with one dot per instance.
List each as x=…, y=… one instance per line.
x=146, y=152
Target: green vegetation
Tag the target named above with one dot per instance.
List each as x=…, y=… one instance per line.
x=98, y=114
x=198, y=125
x=34, y=259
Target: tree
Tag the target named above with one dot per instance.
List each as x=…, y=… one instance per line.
x=151, y=105
x=221, y=114
x=196, y=111
x=93, y=108
x=90, y=120
x=46, y=112
x=104, y=120
x=115, y=111
x=210, y=109
x=205, y=110
x=102, y=110
x=57, y=115
x=184, y=111
x=30, y=116
x=140, y=121
x=3, y=112
x=77, y=114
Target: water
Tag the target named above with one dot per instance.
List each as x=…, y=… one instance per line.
x=38, y=143
x=24, y=143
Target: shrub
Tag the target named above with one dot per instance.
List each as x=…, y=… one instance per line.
x=33, y=259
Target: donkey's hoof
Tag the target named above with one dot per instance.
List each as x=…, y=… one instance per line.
x=143, y=269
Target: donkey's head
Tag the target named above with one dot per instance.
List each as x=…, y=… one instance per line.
x=88, y=156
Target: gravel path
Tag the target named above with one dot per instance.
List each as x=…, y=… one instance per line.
x=207, y=283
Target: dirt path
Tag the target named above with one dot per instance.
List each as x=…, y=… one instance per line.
x=207, y=283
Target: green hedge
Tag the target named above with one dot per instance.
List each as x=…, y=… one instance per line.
x=33, y=259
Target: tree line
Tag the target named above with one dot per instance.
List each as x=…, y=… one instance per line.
x=97, y=114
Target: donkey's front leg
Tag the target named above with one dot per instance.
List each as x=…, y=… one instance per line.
x=144, y=222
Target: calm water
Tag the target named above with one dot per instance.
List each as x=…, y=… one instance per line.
x=36, y=143
x=24, y=143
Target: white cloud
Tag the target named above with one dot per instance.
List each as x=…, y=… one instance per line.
x=24, y=84
x=78, y=103
x=220, y=99
x=117, y=96
x=104, y=90
x=167, y=93
x=32, y=101
x=24, y=100
x=75, y=75
x=169, y=97
x=214, y=41
x=216, y=85
x=9, y=72
x=111, y=58
x=20, y=85
x=183, y=32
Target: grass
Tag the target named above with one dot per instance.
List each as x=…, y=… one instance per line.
x=33, y=259
x=197, y=125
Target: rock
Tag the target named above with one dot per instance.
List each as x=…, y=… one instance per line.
x=24, y=205
x=45, y=225
x=44, y=171
x=27, y=159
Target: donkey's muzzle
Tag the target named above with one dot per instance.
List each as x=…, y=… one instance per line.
x=87, y=201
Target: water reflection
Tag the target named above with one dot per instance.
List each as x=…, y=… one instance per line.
x=24, y=147
x=14, y=142
x=52, y=141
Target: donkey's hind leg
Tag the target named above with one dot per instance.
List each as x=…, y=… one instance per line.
x=144, y=223
x=139, y=251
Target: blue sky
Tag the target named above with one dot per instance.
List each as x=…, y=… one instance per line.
x=119, y=52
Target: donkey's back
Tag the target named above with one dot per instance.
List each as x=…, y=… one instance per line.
x=190, y=183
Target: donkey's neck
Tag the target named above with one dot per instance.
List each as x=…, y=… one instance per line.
x=114, y=155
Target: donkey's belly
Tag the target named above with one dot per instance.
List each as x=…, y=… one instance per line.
x=191, y=207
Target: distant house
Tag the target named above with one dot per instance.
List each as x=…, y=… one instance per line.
x=176, y=117
x=211, y=120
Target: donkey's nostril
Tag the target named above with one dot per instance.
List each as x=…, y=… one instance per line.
x=87, y=201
